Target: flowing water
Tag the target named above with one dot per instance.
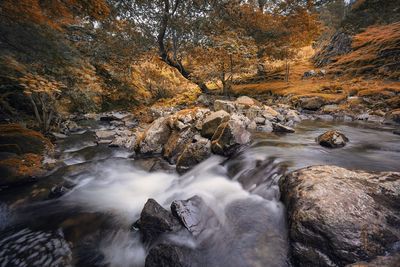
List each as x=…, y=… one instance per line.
x=91, y=224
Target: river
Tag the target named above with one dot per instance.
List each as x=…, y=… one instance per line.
x=90, y=225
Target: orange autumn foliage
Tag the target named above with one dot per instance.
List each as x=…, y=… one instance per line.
x=53, y=13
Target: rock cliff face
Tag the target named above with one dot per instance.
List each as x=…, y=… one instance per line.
x=338, y=217
x=367, y=42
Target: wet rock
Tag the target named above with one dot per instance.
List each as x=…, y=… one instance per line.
x=168, y=255
x=58, y=191
x=205, y=99
x=246, y=101
x=392, y=117
x=280, y=128
x=127, y=142
x=362, y=117
x=154, y=138
x=252, y=126
x=195, y=215
x=34, y=248
x=228, y=106
x=229, y=137
x=332, y=139
x=109, y=118
x=382, y=261
x=176, y=144
x=212, y=121
x=153, y=164
x=293, y=115
x=154, y=221
x=311, y=103
x=105, y=134
x=324, y=117
x=195, y=152
x=338, y=217
x=117, y=123
x=309, y=74
x=375, y=118
x=20, y=169
x=69, y=126
x=59, y=135
x=266, y=128
x=396, y=132
x=251, y=112
x=330, y=108
x=270, y=114
x=259, y=120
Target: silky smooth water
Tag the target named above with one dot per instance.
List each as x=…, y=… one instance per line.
x=109, y=190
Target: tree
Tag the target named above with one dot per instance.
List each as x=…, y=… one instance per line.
x=226, y=54
x=43, y=95
x=172, y=26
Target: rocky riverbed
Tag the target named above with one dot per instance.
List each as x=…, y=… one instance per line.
x=227, y=183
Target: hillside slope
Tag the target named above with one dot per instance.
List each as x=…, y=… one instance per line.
x=48, y=41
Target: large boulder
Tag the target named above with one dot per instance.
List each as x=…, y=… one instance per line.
x=176, y=144
x=154, y=138
x=104, y=136
x=338, y=217
x=229, y=136
x=23, y=140
x=212, y=121
x=228, y=106
x=168, y=255
x=332, y=139
x=195, y=215
x=195, y=152
x=393, y=117
x=280, y=128
x=124, y=139
x=154, y=221
x=312, y=103
x=247, y=101
x=271, y=114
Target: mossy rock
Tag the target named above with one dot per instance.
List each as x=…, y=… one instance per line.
x=16, y=139
x=17, y=170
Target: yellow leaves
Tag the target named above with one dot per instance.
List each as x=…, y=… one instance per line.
x=33, y=83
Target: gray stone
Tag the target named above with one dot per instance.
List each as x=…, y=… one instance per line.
x=228, y=137
x=105, y=134
x=154, y=221
x=228, y=106
x=195, y=152
x=312, y=103
x=212, y=121
x=338, y=217
x=195, y=215
x=280, y=128
x=332, y=139
x=176, y=144
x=247, y=101
x=155, y=136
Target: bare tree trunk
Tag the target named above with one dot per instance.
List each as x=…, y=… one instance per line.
x=287, y=70
x=163, y=52
x=35, y=109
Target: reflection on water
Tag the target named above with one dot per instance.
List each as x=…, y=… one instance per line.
x=371, y=147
